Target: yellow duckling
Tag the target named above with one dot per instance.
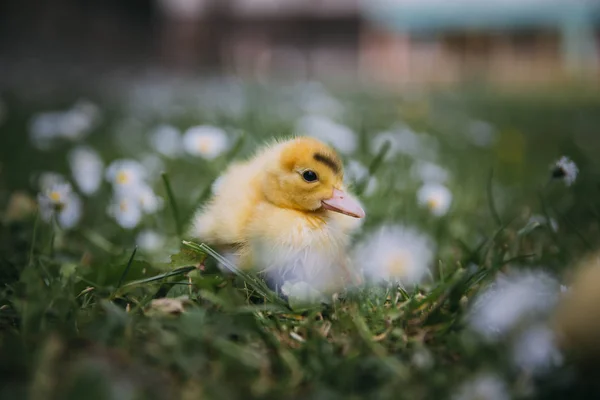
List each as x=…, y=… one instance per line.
x=285, y=212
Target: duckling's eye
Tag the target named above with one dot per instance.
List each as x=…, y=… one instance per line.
x=309, y=176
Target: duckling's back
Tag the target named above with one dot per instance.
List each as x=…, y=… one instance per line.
x=224, y=218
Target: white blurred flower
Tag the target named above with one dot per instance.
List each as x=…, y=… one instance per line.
x=149, y=240
x=356, y=173
x=205, y=141
x=61, y=202
x=125, y=174
x=302, y=294
x=43, y=129
x=87, y=168
x=566, y=170
x=481, y=133
x=429, y=172
x=153, y=165
x=483, y=387
x=148, y=200
x=47, y=180
x=126, y=211
x=435, y=197
x=402, y=141
x=73, y=124
x=512, y=298
x=166, y=140
x=395, y=253
x=339, y=136
x=535, y=350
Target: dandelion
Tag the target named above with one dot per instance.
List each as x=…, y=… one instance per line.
x=125, y=174
x=205, y=141
x=483, y=387
x=166, y=140
x=149, y=240
x=435, y=197
x=535, y=350
x=339, y=136
x=512, y=298
x=86, y=167
x=566, y=170
x=428, y=172
x=395, y=253
x=60, y=202
x=126, y=211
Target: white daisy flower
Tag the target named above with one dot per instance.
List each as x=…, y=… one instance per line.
x=166, y=140
x=44, y=128
x=566, y=170
x=512, y=298
x=483, y=387
x=302, y=294
x=339, y=136
x=356, y=173
x=77, y=123
x=395, y=253
x=535, y=350
x=125, y=174
x=429, y=172
x=126, y=211
x=435, y=197
x=402, y=141
x=87, y=168
x=148, y=200
x=47, y=180
x=61, y=202
x=205, y=141
x=149, y=240
x=153, y=165
x=481, y=133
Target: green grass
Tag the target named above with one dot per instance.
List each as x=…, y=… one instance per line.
x=74, y=318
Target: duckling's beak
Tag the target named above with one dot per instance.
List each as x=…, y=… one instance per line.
x=341, y=202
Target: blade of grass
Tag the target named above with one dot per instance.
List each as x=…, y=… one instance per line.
x=173, y=204
x=374, y=166
x=490, y=196
x=126, y=271
x=175, y=272
x=254, y=282
x=34, y=237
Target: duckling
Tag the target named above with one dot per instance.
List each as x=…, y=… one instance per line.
x=287, y=213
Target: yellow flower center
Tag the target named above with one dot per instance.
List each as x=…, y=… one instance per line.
x=397, y=264
x=123, y=206
x=122, y=178
x=55, y=196
x=204, y=145
x=433, y=203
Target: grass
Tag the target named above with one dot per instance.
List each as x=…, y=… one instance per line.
x=75, y=305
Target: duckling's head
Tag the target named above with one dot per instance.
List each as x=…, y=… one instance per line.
x=307, y=175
